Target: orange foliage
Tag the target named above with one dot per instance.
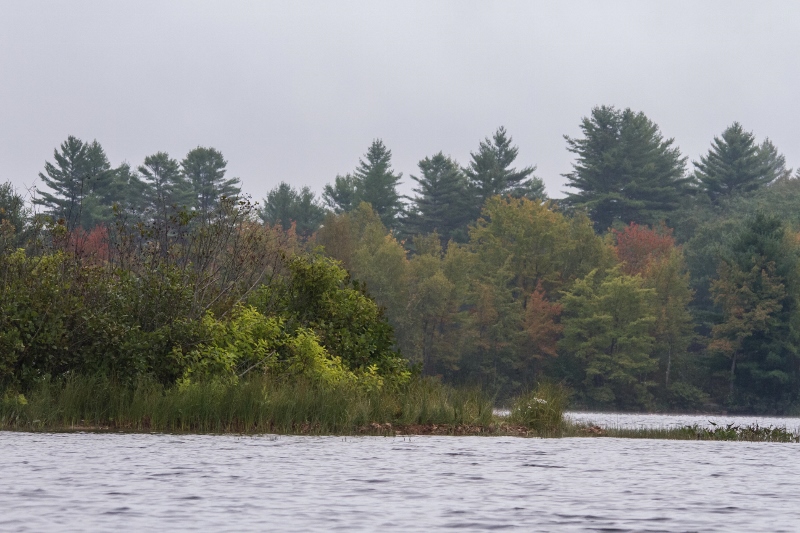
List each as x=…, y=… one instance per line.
x=540, y=322
x=638, y=246
x=92, y=246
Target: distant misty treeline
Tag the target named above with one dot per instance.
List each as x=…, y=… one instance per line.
x=625, y=171
x=84, y=189
x=655, y=283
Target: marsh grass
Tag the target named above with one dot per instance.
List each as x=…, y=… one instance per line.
x=541, y=410
x=729, y=432
x=259, y=405
x=266, y=405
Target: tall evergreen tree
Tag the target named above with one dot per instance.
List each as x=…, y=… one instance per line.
x=377, y=183
x=285, y=205
x=756, y=289
x=79, y=180
x=490, y=171
x=127, y=191
x=442, y=203
x=735, y=163
x=204, y=168
x=625, y=170
x=774, y=161
x=373, y=182
x=167, y=188
x=342, y=196
x=14, y=218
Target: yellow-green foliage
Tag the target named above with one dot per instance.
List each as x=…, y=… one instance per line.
x=253, y=342
x=234, y=346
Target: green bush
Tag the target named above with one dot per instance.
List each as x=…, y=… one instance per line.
x=318, y=295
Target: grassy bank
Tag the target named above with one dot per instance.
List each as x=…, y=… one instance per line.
x=265, y=405
x=260, y=405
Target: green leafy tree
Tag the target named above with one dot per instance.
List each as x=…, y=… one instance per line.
x=737, y=164
x=433, y=301
x=608, y=325
x=652, y=254
x=318, y=294
x=625, y=170
x=523, y=253
x=538, y=243
x=284, y=205
x=204, y=168
x=490, y=172
x=442, y=204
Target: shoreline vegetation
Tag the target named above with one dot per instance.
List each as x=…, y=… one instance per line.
x=273, y=406
x=161, y=298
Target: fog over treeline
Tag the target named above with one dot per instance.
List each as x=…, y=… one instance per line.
x=597, y=195
x=657, y=284
x=295, y=92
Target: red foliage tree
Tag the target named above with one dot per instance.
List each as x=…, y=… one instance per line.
x=92, y=246
x=639, y=246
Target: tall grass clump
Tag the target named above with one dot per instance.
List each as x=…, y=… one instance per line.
x=541, y=409
x=262, y=404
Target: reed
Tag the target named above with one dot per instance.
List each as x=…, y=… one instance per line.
x=730, y=432
x=541, y=410
x=258, y=405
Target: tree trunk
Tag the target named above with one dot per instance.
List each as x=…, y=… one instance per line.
x=733, y=372
x=669, y=364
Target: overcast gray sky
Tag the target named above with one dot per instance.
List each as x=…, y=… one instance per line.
x=296, y=91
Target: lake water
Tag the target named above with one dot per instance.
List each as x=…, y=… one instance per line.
x=129, y=482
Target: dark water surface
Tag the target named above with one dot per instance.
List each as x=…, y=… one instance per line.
x=124, y=482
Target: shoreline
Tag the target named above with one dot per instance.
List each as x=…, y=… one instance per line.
x=387, y=429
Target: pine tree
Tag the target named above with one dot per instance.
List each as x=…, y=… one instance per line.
x=774, y=162
x=442, y=204
x=14, y=218
x=204, y=168
x=127, y=192
x=376, y=183
x=490, y=172
x=167, y=189
x=757, y=293
x=373, y=182
x=342, y=196
x=625, y=170
x=736, y=164
x=80, y=180
x=284, y=205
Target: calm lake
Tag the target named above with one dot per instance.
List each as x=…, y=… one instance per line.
x=129, y=482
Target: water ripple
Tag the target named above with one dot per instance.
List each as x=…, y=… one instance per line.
x=121, y=482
